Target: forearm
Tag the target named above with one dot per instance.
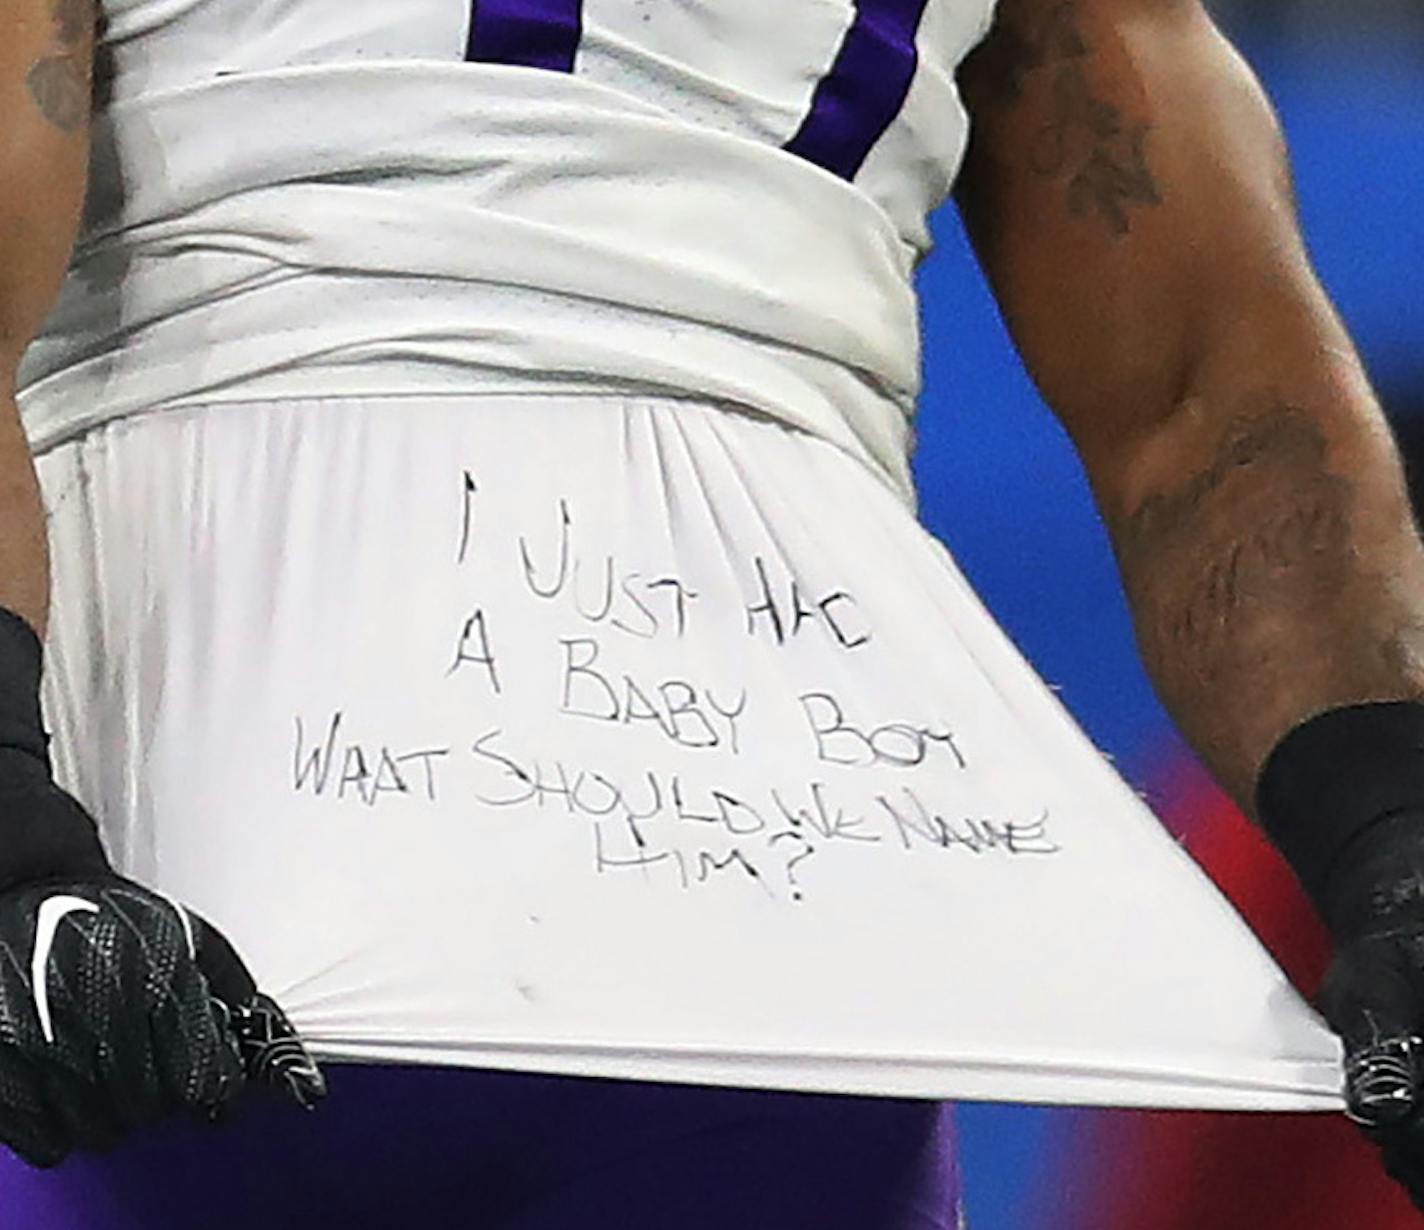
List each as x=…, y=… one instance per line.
x=1268, y=550
x=1129, y=195
x=46, y=58
x=24, y=555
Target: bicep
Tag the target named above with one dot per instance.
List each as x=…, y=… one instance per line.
x=46, y=57
x=1128, y=195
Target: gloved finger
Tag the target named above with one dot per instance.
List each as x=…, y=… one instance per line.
x=63, y=1054
x=1382, y=1081
x=128, y=1069
x=274, y=1056
x=228, y=977
x=99, y=1015
x=195, y=1064
x=272, y=1052
x=79, y=1108
x=72, y=1085
x=26, y=1125
x=198, y=1059
x=1402, y=1147
x=32, y=1140
x=1370, y=1000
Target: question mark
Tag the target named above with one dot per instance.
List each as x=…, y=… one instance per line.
x=791, y=865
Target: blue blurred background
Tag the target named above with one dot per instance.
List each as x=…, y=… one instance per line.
x=1001, y=486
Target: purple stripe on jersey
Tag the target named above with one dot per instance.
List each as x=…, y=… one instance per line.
x=863, y=93
x=534, y=33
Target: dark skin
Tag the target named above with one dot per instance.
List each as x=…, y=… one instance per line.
x=1128, y=194
x=46, y=56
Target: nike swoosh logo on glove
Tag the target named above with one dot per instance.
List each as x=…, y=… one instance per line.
x=47, y=919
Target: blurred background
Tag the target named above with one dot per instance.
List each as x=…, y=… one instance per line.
x=1002, y=487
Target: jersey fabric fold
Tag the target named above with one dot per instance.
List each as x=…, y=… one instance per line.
x=329, y=198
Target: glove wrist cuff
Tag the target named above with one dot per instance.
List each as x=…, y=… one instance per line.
x=44, y=833
x=21, y=666
x=1339, y=785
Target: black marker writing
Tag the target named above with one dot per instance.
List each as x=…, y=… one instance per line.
x=784, y=615
x=466, y=516
x=674, y=706
x=474, y=648
x=913, y=818
x=830, y=822
x=549, y=589
x=603, y=593
x=511, y=768
x=640, y=612
x=641, y=860
x=898, y=744
x=367, y=771
x=681, y=596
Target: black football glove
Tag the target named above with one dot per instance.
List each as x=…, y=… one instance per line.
x=1343, y=797
x=1373, y=995
x=118, y=1006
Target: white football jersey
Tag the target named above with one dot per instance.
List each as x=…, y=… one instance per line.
x=298, y=197
x=453, y=833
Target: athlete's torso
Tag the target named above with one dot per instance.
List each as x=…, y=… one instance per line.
x=354, y=197
x=863, y=88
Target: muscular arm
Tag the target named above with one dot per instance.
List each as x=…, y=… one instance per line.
x=1128, y=194
x=46, y=51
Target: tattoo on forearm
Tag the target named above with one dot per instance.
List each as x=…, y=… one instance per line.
x=74, y=20
x=1113, y=180
x=60, y=83
x=1088, y=141
x=1263, y=532
x=60, y=91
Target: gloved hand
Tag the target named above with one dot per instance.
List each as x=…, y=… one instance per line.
x=117, y=1005
x=1373, y=995
x=1343, y=797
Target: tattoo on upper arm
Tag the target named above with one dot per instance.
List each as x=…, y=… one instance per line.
x=60, y=83
x=1265, y=528
x=1087, y=140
